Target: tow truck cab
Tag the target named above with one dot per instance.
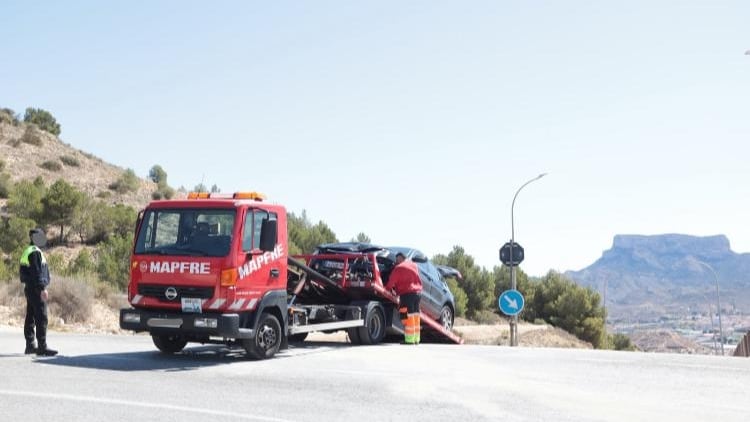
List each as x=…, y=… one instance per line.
x=209, y=268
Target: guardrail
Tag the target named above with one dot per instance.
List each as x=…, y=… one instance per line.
x=743, y=347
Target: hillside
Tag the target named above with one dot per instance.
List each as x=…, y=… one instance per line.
x=92, y=175
x=653, y=276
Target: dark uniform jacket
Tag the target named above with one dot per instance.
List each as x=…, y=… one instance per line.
x=33, y=270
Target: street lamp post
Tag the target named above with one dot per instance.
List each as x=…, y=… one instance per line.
x=514, y=319
x=718, y=304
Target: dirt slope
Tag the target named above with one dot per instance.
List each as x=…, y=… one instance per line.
x=92, y=175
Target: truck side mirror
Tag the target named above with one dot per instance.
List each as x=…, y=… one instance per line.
x=138, y=223
x=268, y=235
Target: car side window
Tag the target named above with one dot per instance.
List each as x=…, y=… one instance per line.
x=434, y=274
x=428, y=273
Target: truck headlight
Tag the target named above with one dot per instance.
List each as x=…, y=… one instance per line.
x=206, y=323
x=132, y=318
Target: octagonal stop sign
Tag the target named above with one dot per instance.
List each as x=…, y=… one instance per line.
x=505, y=254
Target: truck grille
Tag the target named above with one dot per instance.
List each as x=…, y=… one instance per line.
x=158, y=291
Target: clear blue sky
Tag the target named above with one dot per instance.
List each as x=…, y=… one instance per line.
x=415, y=122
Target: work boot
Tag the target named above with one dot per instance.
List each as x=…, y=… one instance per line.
x=45, y=351
x=30, y=349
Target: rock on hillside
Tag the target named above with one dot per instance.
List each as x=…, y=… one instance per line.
x=662, y=274
x=92, y=175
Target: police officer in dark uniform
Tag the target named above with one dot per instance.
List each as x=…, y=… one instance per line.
x=35, y=275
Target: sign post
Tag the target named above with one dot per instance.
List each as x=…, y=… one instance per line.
x=511, y=254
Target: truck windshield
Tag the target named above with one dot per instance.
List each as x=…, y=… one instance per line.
x=192, y=232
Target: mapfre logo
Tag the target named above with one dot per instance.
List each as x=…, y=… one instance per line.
x=176, y=267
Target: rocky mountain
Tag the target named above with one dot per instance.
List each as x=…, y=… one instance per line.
x=28, y=152
x=653, y=276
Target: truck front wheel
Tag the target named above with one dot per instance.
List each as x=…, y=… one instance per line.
x=168, y=344
x=267, y=339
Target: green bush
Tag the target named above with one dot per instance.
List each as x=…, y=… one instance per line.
x=43, y=119
x=83, y=264
x=163, y=192
x=5, y=274
x=158, y=175
x=25, y=199
x=70, y=161
x=56, y=264
x=2, y=165
x=31, y=137
x=8, y=116
x=460, y=297
x=14, y=234
x=128, y=182
x=113, y=260
x=6, y=185
x=51, y=166
x=621, y=342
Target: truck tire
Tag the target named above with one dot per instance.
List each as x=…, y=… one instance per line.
x=374, y=328
x=168, y=344
x=354, y=335
x=297, y=338
x=267, y=339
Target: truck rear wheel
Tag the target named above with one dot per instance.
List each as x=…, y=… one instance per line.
x=267, y=339
x=374, y=328
x=168, y=344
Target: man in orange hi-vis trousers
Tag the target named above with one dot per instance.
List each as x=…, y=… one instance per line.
x=405, y=281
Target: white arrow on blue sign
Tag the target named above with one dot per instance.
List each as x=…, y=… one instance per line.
x=511, y=302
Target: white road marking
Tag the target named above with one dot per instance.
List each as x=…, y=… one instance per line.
x=128, y=403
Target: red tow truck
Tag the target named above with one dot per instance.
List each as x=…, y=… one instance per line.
x=215, y=268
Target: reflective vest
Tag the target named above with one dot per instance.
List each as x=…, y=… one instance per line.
x=28, y=251
x=27, y=273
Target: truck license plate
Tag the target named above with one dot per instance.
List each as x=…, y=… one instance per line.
x=192, y=305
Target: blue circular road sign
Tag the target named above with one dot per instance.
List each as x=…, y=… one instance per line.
x=511, y=302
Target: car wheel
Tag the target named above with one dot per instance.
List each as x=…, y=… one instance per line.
x=446, y=317
x=168, y=344
x=267, y=339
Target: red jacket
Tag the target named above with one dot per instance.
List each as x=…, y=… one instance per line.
x=405, y=279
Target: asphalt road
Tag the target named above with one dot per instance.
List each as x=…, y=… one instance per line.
x=123, y=378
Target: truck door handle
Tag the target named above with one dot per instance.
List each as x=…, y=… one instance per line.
x=275, y=273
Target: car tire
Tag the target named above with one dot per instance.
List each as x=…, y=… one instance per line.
x=267, y=339
x=446, y=317
x=168, y=344
x=374, y=329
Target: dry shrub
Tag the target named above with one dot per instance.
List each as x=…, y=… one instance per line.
x=71, y=161
x=11, y=294
x=71, y=299
x=488, y=317
x=110, y=296
x=31, y=137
